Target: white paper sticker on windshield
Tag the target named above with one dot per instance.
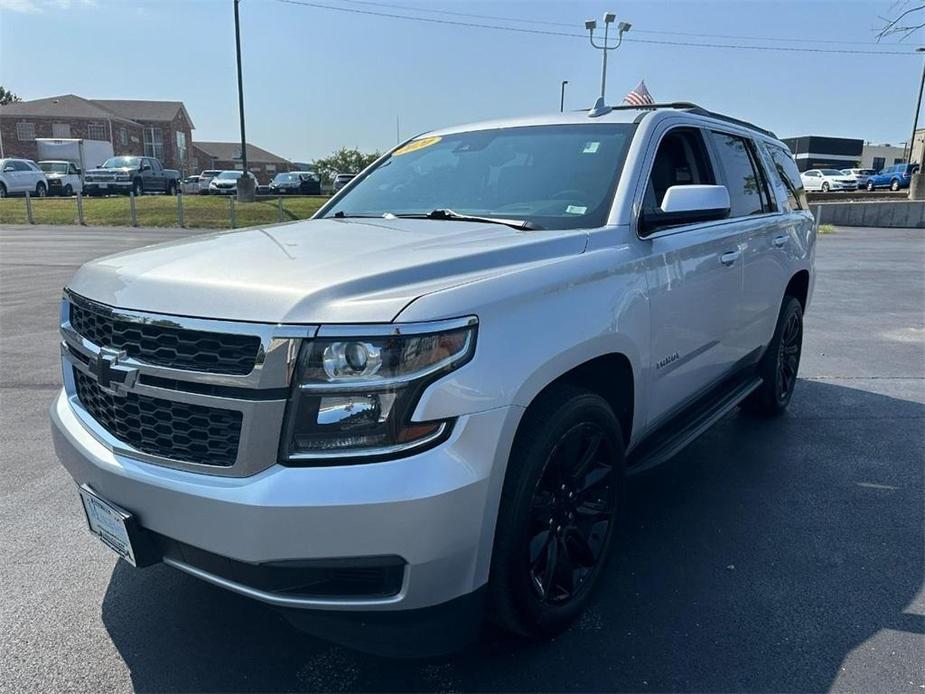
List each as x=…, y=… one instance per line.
x=576, y=209
x=591, y=148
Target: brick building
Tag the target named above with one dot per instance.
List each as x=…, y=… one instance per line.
x=161, y=129
x=166, y=129
x=227, y=156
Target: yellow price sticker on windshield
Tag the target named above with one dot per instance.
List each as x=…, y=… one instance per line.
x=415, y=145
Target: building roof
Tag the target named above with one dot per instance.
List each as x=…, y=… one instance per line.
x=135, y=109
x=64, y=106
x=231, y=151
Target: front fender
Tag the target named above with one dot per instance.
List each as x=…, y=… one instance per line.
x=536, y=324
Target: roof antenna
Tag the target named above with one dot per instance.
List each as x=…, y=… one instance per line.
x=599, y=108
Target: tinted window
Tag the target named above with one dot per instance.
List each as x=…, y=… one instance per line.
x=789, y=175
x=746, y=188
x=681, y=160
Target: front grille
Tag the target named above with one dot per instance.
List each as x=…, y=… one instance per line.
x=160, y=345
x=175, y=430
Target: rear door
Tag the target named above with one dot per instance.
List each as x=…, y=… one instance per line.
x=695, y=282
x=768, y=220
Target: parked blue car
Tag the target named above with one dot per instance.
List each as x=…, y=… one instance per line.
x=893, y=177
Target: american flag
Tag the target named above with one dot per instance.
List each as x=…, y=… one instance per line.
x=639, y=96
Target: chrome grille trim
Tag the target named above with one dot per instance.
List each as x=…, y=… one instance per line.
x=262, y=419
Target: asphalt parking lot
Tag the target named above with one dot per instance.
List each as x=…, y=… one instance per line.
x=783, y=555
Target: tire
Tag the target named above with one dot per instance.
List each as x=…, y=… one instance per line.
x=825, y=186
x=531, y=589
x=2, y=190
x=870, y=186
x=138, y=188
x=780, y=364
x=68, y=191
x=894, y=185
x=40, y=190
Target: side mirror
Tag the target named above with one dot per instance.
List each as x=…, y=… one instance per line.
x=687, y=205
x=8, y=168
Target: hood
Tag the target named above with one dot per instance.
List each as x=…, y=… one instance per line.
x=319, y=271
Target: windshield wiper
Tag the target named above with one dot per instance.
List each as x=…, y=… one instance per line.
x=453, y=216
x=349, y=215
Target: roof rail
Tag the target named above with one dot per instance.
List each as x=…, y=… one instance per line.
x=680, y=105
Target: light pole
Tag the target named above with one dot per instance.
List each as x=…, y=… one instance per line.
x=562, y=97
x=622, y=28
x=247, y=188
x=918, y=107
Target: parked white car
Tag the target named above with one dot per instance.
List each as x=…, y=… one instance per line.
x=860, y=176
x=22, y=176
x=190, y=185
x=205, y=178
x=420, y=406
x=225, y=183
x=826, y=180
x=63, y=177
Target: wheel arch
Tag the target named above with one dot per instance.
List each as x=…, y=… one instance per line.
x=620, y=390
x=798, y=287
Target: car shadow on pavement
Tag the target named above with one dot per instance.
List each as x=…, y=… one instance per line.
x=755, y=560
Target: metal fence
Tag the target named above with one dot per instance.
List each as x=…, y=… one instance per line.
x=180, y=215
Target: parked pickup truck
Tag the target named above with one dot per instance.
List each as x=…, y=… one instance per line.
x=421, y=406
x=127, y=174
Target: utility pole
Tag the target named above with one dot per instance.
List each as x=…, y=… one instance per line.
x=562, y=97
x=622, y=28
x=918, y=107
x=247, y=188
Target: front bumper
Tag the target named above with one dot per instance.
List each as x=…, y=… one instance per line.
x=107, y=187
x=435, y=510
x=222, y=191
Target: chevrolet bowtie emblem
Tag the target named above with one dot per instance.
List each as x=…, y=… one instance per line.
x=110, y=374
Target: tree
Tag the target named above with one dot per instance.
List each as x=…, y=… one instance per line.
x=908, y=18
x=344, y=160
x=6, y=96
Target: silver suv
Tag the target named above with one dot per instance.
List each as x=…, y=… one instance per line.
x=421, y=406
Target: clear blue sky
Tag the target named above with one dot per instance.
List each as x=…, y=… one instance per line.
x=316, y=78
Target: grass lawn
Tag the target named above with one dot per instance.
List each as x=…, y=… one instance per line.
x=160, y=211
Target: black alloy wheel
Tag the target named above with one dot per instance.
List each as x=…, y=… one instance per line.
x=571, y=514
x=788, y=356
x=559, y=513
x=780, y=364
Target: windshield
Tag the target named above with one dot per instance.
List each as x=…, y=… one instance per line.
x=122, y=163
x=554, y=177
x=831, y=172
x=53, y=166
x=230, y=174
x=283, y=177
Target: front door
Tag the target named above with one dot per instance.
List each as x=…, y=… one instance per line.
x=695, y=283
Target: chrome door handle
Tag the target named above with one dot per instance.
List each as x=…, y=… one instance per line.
x=779, y=241
x=729, y=257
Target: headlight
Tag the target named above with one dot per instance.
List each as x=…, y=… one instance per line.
x=354, y=393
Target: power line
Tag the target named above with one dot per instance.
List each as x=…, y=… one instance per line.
x=521, y=20
x=545, y=32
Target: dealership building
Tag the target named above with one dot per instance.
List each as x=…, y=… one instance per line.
x=817, y=152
